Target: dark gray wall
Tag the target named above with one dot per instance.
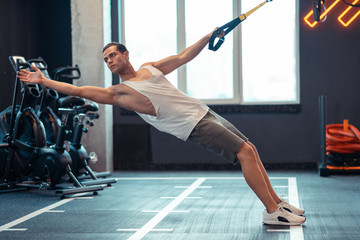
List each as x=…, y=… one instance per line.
x=32, y=29
x=329, y=65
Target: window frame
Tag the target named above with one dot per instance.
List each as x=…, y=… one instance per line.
x=297, y=67
x=119, y=35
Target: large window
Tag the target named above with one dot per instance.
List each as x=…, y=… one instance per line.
x=257, y=64
x=269, y=53
x=210, y=75
x=150, y=31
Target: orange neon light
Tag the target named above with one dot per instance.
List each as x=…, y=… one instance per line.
x=306, y=19
x=351, y=19
x=347, y=168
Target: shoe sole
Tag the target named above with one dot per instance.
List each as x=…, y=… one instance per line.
x=282, y=223
x=299, y=214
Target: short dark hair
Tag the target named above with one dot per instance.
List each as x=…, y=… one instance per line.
x=120, y=47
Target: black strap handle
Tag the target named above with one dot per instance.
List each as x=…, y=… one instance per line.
x=228, y=27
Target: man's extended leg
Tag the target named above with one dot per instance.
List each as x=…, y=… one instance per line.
x=273, y=214
x=280, y=202
x=264, y=174
x=254, y=177
x=219, y=136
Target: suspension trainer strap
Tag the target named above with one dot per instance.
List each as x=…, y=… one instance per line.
x=228, y=27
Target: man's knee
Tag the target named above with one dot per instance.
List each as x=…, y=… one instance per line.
x=245, y=152
x=251, y=145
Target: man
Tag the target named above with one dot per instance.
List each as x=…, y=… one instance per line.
x=159, y=103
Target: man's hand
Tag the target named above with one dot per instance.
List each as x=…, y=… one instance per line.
x=31, y=77
x=222, y=33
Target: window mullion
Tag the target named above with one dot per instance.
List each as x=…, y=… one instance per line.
x=181, y=42
x=237, y=63
x=121, y=18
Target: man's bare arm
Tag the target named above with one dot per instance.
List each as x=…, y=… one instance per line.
x=169, y=64
x=97, y=94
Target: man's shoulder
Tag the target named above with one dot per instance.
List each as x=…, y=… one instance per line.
x=148, y=64
x=153, y=68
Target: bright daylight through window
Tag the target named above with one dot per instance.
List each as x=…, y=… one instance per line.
x=257, y=64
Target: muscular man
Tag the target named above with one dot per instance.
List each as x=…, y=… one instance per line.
x=158, y=102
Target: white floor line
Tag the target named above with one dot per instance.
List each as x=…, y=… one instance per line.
x=83, y=198
x=6, y=227
x=135, y=230
x=293, y=192
x=177, y=197
x=56, y=211
x=175, y=211
x=188, y=186
x=15, y=229
x=278, y=230
x=296, y=232
x=139, y=234
x=187, y=178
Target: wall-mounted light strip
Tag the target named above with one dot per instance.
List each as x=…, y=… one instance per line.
x=313, y=24
x=352, y=18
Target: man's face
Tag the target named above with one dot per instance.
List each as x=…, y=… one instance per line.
x=115, y=60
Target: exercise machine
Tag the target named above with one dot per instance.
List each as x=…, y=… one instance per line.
x=82, y=113
x=70, y=131
x=25, y=154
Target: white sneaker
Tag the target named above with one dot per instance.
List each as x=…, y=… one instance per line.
x=290, y=208
x=282, y=217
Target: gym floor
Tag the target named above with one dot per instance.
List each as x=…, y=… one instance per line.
x=185, y=205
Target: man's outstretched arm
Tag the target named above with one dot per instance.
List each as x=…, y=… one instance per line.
x=169, y=64
x=97, y=94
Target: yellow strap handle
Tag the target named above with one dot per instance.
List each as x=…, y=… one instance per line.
x=245, y=15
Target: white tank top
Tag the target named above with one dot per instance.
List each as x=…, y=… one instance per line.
x=176, y=113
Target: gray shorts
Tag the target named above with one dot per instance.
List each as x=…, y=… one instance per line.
x=216, y=134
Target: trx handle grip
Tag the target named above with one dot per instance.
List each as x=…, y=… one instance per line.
x=228, y=27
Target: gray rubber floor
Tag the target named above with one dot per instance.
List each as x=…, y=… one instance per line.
x=185, y=206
